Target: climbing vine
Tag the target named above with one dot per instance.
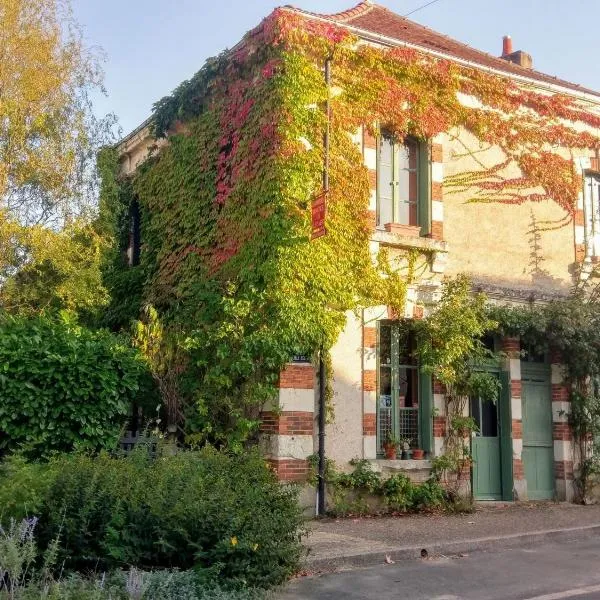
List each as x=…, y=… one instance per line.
x=226, y=256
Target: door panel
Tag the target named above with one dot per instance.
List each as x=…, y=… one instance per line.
x=487, y=472
x=538, y=448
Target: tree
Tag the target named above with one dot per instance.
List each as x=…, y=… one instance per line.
x=49, y=137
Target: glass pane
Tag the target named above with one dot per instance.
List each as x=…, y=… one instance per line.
x=489, y=419
x=407, y=183
x=475, y=412
x=385, y=181
x=406, y=346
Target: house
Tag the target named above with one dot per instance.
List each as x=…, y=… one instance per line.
x=471, y=163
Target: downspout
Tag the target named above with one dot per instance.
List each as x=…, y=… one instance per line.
x=322, y=369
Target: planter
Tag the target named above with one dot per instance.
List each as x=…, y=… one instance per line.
x=404, y=455
x=418, y=454
x=390, y=452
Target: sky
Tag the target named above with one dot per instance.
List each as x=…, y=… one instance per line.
x=152, y=45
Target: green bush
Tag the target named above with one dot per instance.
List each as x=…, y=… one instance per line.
x=63, y=387
x=225, y=516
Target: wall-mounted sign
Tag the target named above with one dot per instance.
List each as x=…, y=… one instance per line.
x=385, y=401
x=319, y=210
x=300, y=358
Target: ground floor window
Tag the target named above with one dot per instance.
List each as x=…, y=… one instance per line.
x=401, y=388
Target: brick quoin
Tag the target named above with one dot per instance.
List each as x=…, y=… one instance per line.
x=594, y=164
x=561, y=432
x=370, y=337
x=517, y=429
x=372, y=179
x=515, y=388
x=578, y=217
x=297, y=377
x=511, y=346
x=369, y=141
x=437, y=153
x=560, y=392
x=288, y=423
x=579, y=252
x=438, y=387
x=372, y=219
x=437, y=230
x=439, y=427
x=437, y=191
x=369, y=380
x=518, y=470
x=563, y=469
x=290, y=469
x=370, y=424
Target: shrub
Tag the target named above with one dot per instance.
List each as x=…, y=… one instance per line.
x=225, y=516
x=63, y=387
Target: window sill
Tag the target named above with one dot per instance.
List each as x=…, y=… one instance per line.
x=391, y=465
x=402, y=240
x=406, y=230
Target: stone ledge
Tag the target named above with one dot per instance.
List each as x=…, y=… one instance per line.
x=385, y=465
x=398, y=240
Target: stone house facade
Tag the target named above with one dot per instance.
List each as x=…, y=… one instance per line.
x=516, y=254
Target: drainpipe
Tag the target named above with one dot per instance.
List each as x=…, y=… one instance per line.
x=322, y=369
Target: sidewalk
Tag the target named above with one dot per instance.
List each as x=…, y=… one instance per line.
x=336, y=544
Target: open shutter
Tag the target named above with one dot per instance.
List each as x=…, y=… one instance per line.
x=426, y=411
x=424, y=202
x=505, y=423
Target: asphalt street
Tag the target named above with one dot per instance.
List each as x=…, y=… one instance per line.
x=549, y=571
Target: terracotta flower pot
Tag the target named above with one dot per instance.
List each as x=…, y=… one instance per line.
x=390, y=452
x=418, y=454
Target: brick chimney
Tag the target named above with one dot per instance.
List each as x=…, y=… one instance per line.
x=519, y=57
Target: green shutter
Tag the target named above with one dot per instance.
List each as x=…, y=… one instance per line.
x=426, y=411
x=505, y=423
x=424, y=205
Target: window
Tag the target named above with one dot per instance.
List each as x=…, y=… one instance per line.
x=591, y=208
x=404, y=393
x=133, y=248
x=403, y=183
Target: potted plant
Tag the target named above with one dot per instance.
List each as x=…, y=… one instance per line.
x=390, y=446
x=418, y=454
x=405, y=443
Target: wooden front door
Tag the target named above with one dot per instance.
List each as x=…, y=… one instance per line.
x=487, y=464
x=538, y=449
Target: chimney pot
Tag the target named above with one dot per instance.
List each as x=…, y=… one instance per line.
x=507, y=47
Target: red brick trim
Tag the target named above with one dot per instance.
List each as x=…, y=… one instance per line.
x=594, y=164
x=562, y=432
x=437, y=230
x=515, y=388
x=370, y=424
x=290, y=469
x=579, y=252
x=369, y=380
x=437, y=191
x=369, y=141
x=517, y=429
x=288, y=423
x=372, y=179
x=563, y=469
x=578, y=218
x=518, y=470
x=437, y=153
x=370, y=337
x=439, y=427
x=299, y=377
x=511, y=346
x=438, y=387
x=560, y=392
x=372, y=219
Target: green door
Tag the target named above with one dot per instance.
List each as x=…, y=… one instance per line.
x=487, y=464
x=538, y=450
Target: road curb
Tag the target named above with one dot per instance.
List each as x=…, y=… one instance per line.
x=400, y=553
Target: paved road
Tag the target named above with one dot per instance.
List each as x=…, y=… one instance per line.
x=546, y=572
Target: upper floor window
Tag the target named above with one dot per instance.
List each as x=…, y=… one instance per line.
x=133, y=248
x=591, y=198
x=403, y=183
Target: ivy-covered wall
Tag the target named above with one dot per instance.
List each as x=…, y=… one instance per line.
x=226, y=253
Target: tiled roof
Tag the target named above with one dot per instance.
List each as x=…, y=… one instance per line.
x=372, y=18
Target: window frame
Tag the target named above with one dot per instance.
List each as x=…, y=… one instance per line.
x=424, y=391
x=423, y=173
x=591, y=222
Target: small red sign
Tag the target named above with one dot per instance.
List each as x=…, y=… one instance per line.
x=319, y=209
